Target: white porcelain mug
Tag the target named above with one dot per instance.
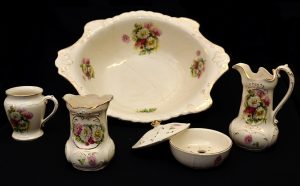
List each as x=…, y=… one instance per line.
x=25, y=108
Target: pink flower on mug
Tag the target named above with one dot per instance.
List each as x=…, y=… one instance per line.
x=27, y=115
x=16, y=116
x=248, y=139
x=19, y=119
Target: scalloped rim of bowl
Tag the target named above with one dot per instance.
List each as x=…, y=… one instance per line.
x=218, y=57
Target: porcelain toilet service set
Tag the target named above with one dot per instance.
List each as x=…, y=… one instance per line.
x=90, y=148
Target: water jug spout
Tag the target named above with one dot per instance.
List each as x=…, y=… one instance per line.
x=90, y=101
x=243, y=69
x=68, y=97
x=261, y=74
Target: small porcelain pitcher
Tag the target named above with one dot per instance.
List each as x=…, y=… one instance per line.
x=25, y=108
x=255, y=128
x=89, y=147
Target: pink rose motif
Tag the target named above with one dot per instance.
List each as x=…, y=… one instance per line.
x=86, y=61
x=261, y=93
x=140, y=43
x=266, y=101
x=27, y=115
x=248, y=139
x=148, y=25
x=156, y=32
x=91, y=141
x=218, y=160
x=198, y=52
x=249, y=110
x=77, y=129
x=125, y=38
x=92, y=160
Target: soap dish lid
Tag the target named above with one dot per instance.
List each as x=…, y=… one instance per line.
x=160, y=133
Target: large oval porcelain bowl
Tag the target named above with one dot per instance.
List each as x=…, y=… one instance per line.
x=156, y=66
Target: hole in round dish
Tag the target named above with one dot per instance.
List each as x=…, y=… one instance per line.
x=201, y=151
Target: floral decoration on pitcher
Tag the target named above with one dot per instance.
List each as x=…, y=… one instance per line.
x=19, y=119
x=87, y=69
x=198, y=65
x=256, y=106
x=88, y=133
x=249, y=141
x=145, y=37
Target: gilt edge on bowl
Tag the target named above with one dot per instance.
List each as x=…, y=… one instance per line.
x=156, y=66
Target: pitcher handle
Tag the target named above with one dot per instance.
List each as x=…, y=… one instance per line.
x=52, y=98
x=289, y=91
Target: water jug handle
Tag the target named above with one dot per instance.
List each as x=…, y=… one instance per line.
x=52, y=98
x=289, y=91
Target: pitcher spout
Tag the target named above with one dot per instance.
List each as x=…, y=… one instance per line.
x=243, y=69
x=261, y=74
x=68, y=97
x=89, y=101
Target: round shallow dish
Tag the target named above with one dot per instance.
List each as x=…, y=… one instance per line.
x=156, y=66
x=200, y=148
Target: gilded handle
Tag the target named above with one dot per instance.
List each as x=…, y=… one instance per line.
x=289, y=91
x=52, y=98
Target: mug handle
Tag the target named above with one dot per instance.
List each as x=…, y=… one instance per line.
x=52, y=98
x=289, y=91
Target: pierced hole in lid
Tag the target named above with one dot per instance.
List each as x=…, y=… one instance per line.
x=201, y=151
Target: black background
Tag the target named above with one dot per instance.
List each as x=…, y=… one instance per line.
x=258, y=33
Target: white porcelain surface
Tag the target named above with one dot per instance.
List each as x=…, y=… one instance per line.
x=255, y=127
x=156, y=66
x=200, y=148
x=25, y=108
x=160, y=133
x=89, y=147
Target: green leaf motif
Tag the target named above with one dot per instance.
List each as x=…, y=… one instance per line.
x=256, y=144
x=146, y=110
x=81, y=161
